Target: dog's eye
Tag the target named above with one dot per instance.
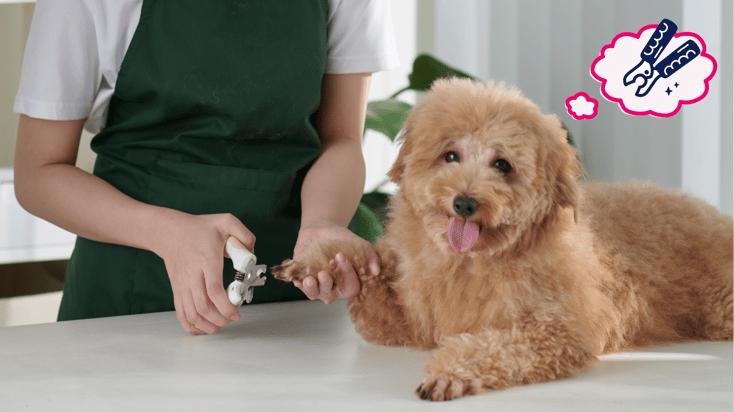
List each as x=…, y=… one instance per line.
x=451, y=157
x=503, y=166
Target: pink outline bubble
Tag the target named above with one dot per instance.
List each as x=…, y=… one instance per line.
x=651, y=112
x=588, y=99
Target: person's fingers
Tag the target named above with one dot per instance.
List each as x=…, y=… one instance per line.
x=349, y=287
x=195, y=271
x=192, y=307
x=234, y=227
x=310, y=287
x=326, y=285
x=207, y=309
x=373, y=261
x=326, y=282
x=322, y=287
x=218, y=297
x=221, y=301
x=181, y=315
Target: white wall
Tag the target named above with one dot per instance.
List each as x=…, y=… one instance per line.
x=701, y=123
x=547, y=47
x=726, y=67
x=14, y=23
x=379, y=152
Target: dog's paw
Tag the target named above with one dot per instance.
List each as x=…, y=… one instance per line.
x=322, y=256
x=446, y=388
x=291, y=270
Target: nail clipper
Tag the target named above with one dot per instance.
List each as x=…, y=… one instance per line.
x=248, y=272
x=666, y=67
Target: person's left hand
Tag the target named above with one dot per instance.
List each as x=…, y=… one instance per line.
x=322, y=287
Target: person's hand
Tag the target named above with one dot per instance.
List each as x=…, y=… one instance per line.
x=322, y=286
x=194, y=254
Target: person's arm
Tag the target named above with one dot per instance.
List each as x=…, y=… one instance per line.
x=49, y=185
x=334, y=185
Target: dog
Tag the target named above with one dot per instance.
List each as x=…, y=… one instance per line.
x=497, y=257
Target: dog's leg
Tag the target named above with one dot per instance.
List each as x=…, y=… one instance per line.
x=718, y=312
x=376, y=311
x=541, y=349
x=322, y=256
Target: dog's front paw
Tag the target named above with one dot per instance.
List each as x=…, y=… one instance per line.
x=322, y=256
x=446, y=388
x=289, y=271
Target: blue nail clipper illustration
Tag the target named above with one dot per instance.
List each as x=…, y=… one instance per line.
x=666, y=67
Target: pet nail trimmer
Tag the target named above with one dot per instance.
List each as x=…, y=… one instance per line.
x=248, y=272
x=665, y=68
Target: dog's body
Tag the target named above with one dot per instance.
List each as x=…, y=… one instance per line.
x=495, y=255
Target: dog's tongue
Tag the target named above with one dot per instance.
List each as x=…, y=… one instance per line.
x=463, y=234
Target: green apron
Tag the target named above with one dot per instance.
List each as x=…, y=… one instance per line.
x=211, y=114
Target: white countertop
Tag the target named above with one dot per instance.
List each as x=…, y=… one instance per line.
x=306, y=356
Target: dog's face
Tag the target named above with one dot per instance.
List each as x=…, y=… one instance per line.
x=483, y=169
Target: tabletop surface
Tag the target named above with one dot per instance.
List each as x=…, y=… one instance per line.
x=302, y=356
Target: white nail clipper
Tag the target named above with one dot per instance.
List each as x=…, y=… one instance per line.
x=248, y=272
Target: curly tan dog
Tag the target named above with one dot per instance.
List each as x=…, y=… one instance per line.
x=495, y=255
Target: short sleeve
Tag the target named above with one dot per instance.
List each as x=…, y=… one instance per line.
x=60, y=76
x=361, y=37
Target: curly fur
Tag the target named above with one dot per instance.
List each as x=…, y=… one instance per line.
x=561, y=271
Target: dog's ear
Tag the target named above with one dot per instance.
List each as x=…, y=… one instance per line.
x=567, y=174
x=398, y=168
x=567, y=193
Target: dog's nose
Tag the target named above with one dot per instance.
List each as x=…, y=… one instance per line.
x=465, y=206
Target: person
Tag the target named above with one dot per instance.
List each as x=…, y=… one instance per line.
x=212, y=119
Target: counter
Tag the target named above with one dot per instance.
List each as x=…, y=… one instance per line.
x=303, y=356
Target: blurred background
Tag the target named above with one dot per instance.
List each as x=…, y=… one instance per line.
x=544, y=47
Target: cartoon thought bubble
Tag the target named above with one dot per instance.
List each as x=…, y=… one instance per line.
x=687, y=85
x=580, y=106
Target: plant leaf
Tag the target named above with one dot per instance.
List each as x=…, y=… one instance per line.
x=569, y=137
x=387, y=116
x=426, y=69
x=377, y=202
x=365, y=224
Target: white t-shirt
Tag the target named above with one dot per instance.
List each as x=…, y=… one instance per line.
x=75, y=49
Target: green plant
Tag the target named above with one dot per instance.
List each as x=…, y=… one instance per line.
x=387, y=117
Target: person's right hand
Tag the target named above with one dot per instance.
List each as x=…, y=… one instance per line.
x=193, y=251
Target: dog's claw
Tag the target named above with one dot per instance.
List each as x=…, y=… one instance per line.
x=441, y=388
